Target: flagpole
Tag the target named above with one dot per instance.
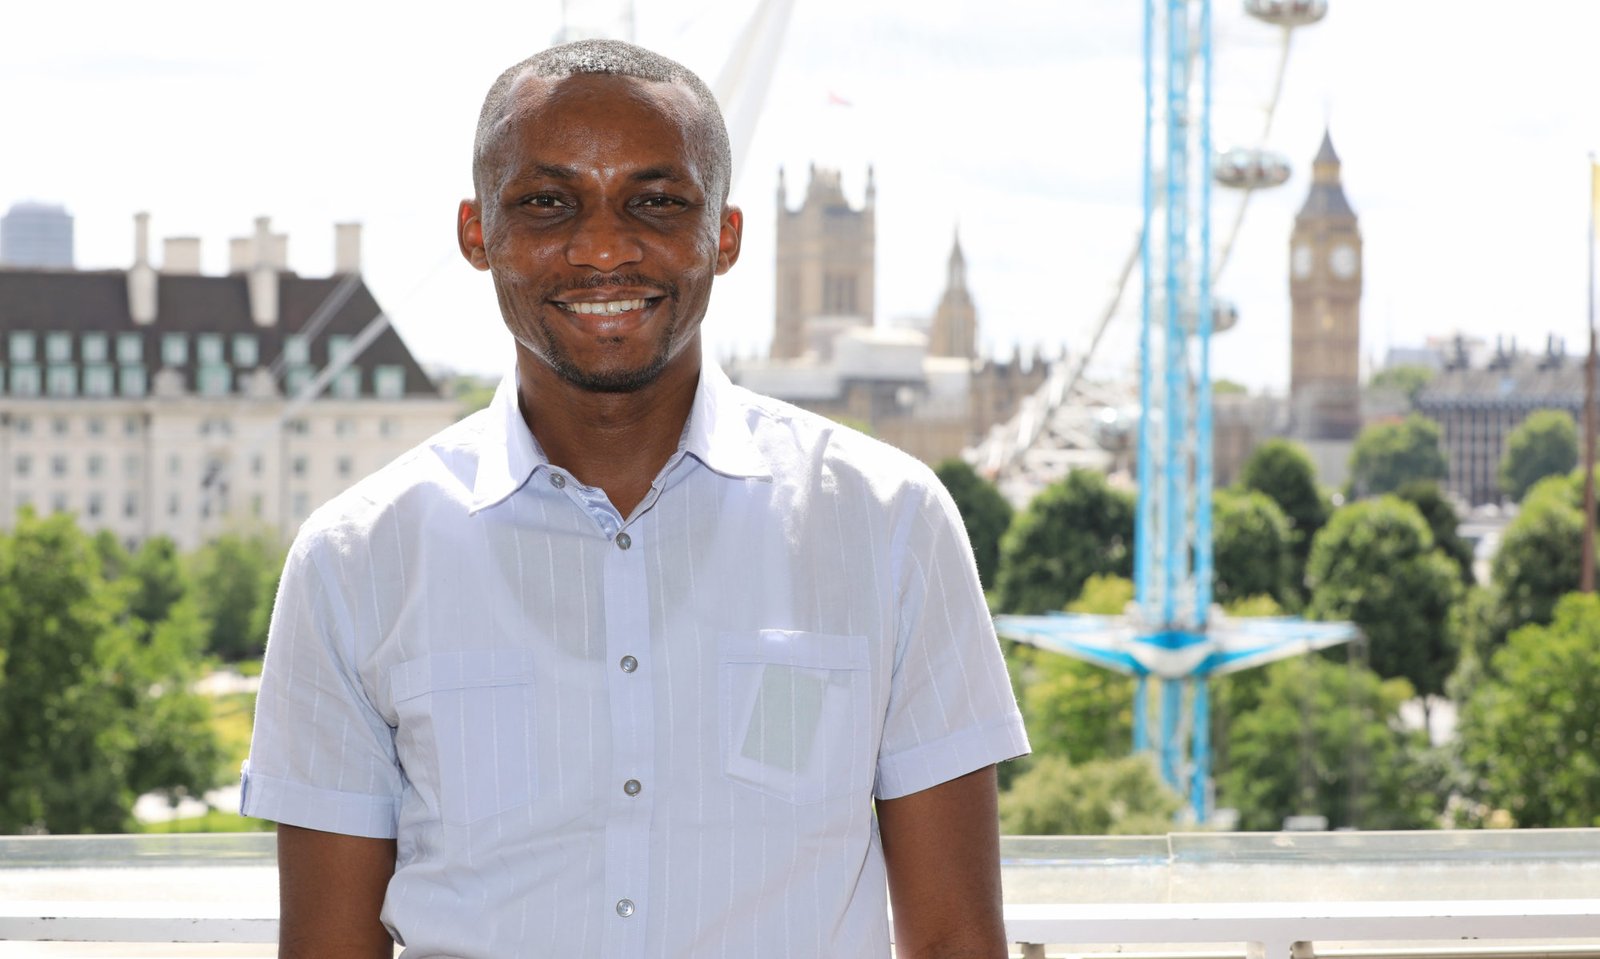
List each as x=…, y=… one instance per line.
x=1586, y=582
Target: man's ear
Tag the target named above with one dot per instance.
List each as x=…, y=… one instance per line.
x=469, y=234
x=728, y=238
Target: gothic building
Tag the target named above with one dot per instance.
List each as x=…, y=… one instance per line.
x=824, y=280
x=1325, y=316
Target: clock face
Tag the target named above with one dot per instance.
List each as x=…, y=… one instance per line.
x=1343, y=261
x=1302, y=261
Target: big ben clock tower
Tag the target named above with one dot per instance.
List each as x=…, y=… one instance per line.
x=1325, y=319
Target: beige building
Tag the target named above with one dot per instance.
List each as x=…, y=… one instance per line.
x=1325, y=317
x=162, y=401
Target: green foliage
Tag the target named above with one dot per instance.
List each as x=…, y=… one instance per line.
x=1282, y=470
x=1374, y=564
x=1544, y=444
x=1540, y=555
x=1228, y=388
x=1322, y=738
x=984, y=512
x=157, y=580
x=236, y=577
x=1103, y=596
x=1072, y=530
x=1389, y=455
x=94, y=701
x=1443, y=522
x=1407, y=378
x=1530, y=731
x=1101, y=797
x=1252, y=547
x=1074, y=709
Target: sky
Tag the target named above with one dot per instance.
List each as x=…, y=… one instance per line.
x=1464, y=128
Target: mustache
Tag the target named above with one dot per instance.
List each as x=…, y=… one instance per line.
x=597, y=280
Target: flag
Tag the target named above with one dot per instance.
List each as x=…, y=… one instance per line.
x=834, y=100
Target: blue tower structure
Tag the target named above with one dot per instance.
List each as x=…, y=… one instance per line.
x=1172, y=633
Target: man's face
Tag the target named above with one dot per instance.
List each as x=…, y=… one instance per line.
x=594, y=219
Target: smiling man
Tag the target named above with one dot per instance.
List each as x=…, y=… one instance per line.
x=634, y=662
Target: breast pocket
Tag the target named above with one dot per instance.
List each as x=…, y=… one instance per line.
x=466, y=730
x=796, y=714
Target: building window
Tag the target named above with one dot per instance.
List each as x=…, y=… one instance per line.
x=345, y=467
x=297, y=426
x=130, y=505
x=63, y=380
x=94, y=347
x=255, y=505
x=25, y=380
x=60, y=425
x=24, y=464
x=97, y=380
x=298, y=466
x=219, y=425
x=246, y=352
x=215, y=380
x=24, y=426
x=255, y=465
x=96, y=504
x=134, y=381
x=296, y=350
x=22, y=348
x=302, y=504
x=95, y=425
x=174, y=349
x=338, y=346
x=208, y=348
x=386, y=427
x=130, y=465
x=58, y=465
x=347, y=385
x=130, y=348
x=389, y=382
x=130, y=426
x=58, y=347
x=174, y=465
x=343, y=427
x=58, y=503
x=298, y=379
x=172, y=504
x=96, y=464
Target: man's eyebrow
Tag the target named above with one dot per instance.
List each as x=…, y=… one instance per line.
x=551, y=170
x=664, y=172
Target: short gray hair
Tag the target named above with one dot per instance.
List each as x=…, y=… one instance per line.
x=620, y=59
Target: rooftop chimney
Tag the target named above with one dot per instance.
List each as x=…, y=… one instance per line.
x=180, y=256
x=263, y=276
x=141, y=277
x=346, y=248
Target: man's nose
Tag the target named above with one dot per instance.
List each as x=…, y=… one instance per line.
x=603, y=239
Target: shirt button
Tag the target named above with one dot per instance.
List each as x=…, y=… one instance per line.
x=629, y=664
x=557, y=480
x=632, y=787
x=624, y=540
x=624, y=907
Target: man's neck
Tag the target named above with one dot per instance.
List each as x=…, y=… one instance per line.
x=617, y=442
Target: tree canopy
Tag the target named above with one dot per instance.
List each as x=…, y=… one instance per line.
x=1072, y=530
x=1540, y=554
x=1409, y=379
x=1529, y=730
x=1544, y=444
x=984, y=512
x=1374, y=564
x=1252, y=548
x=1102, y=797
x=1443, y=522
x=1389, y=455
x=236, y=576
x=1283, y=471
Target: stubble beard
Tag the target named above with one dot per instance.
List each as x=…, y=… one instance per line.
x=548, y=347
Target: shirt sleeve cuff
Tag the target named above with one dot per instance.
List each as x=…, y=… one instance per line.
x=949, y=758
x=326, y=810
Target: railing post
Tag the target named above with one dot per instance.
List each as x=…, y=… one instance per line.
x=1032, y=950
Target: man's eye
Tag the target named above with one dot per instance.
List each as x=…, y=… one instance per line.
x=544, y=201
x=661, y=203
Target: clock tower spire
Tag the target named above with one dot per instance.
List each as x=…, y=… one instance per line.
x=1325, y=314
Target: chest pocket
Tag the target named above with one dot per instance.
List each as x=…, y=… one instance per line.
x=796, y=711
x=465, y=732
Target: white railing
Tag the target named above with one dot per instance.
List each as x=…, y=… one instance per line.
x=1535, y=893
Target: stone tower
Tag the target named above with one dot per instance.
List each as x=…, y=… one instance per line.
x=954, y=331
x=824, y=279
x=1325, y=319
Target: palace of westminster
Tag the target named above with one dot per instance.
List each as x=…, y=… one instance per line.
x=157, y=399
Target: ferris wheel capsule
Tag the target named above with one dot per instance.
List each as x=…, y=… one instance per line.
x=1224, y=316
x=1287, y=13
x=1250, y=168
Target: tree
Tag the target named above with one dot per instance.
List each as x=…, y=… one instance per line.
x=1443, y=523
x=234, y=575
x=1103, y=797
x=1544, y=444
x=984, y=512
x=1072, y=530
x=1323, y=738
x=1282, y=470
x=1251, y=547
x=1389, y=455
x=92, y=709
x=1528, y=732
x=158, y=580
x=1374, y=564
x=1540, y=553
x=1409, y=379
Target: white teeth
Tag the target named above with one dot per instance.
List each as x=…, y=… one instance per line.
x=609, y=308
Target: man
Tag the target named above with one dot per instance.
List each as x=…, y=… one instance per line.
x=618, y=666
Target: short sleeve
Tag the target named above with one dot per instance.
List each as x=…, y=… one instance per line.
x=321, y=755
x=951, y=709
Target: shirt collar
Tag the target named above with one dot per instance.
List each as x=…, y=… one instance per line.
x=717, y=434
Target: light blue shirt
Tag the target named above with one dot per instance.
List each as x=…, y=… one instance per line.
x=654, y=735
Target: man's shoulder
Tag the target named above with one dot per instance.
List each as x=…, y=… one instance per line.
x=436, y=475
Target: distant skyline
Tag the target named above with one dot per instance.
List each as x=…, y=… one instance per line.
x=1464, y=130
